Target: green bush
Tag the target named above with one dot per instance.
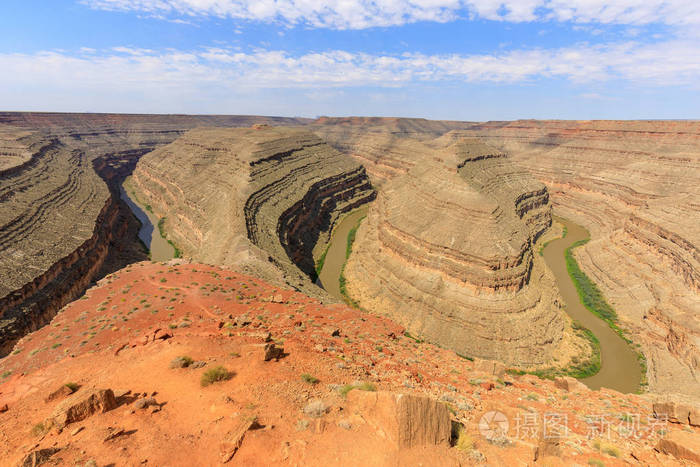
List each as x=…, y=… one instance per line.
x=72, y=386
x=215, y=375
x=307, y=378
x=344, y=390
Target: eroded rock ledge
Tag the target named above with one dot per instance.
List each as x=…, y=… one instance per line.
x=257, y=199
x=635, y=186
x=62, y=224
x=446, y=250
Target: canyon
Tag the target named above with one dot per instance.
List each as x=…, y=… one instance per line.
x=259, y=199
x=446, y=262
x=60, y=215
x=447, y=251
x=635, y=187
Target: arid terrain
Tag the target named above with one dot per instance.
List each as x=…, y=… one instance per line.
x=443, y=312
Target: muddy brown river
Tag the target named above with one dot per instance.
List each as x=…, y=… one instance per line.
x=159, y=248
x=619, y=370
x=329, y=278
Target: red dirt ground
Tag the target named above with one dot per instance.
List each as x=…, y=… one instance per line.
x=100, y=341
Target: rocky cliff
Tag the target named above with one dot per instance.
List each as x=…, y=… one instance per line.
x=634, y=185
x=446, y=251
x=61, y=221
x=260, y=199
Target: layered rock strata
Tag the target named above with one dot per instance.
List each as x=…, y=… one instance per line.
x=386, y=147
x=634, y=186
x=446, y=250
x=61, y=222
x=257, y=199
x=54, y=203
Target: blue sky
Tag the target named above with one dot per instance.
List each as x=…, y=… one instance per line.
x=441, y=59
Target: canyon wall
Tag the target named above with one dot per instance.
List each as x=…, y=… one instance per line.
x=257, y=199
x=636, y=187
x=447, y=251
x=61, y=221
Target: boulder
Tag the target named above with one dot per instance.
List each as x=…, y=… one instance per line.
x=569, y=384
x=694, y=416
x=682, y=445
x=38, y=457
x=4, y=408
x=145, y=403
x=406, y=420
x=60, y=393
x=83, y=405
x=676, y=411
x=273, y=352
x=242, y=320
x=234, y=440
x=490, y=367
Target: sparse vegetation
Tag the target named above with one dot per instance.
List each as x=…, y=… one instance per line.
x=307, y=378
x=348, y=250
x=182, y=361
x=316, y=408
x=72, y=386
x=592, y=298
x=463, y=441
x=215, y=375
x=161, y=229
x=321, y=261
x=416, y=339
x=40, y=429
x=606, y=448
x=344, y=390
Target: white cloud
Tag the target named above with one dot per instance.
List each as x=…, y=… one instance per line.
x=224, y=69
x=360, y=14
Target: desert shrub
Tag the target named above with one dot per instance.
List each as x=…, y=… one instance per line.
x=606, y=448
x=182, y=361
x=316, y=408
x=72, y=386
x=344, y=390
x=307, y=378
x=216, y=374
x=463, y=441
x=40, y=429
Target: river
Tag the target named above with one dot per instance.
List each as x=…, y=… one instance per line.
x=620, y=369
x=159, y=248
x=329, y=277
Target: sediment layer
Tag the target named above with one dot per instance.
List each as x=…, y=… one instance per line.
x=60, y=217
x=635, y=187
x=257, y=199
x=446, y=251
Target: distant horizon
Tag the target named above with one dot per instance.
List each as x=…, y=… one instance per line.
x=352, y=116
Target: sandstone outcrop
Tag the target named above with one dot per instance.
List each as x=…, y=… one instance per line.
x=635, y=186
x=678, y=410
x=446, y=251
x=260, y=199
x=82, y=405
x=569, y=384
x=405, y=419
x=682, y=446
